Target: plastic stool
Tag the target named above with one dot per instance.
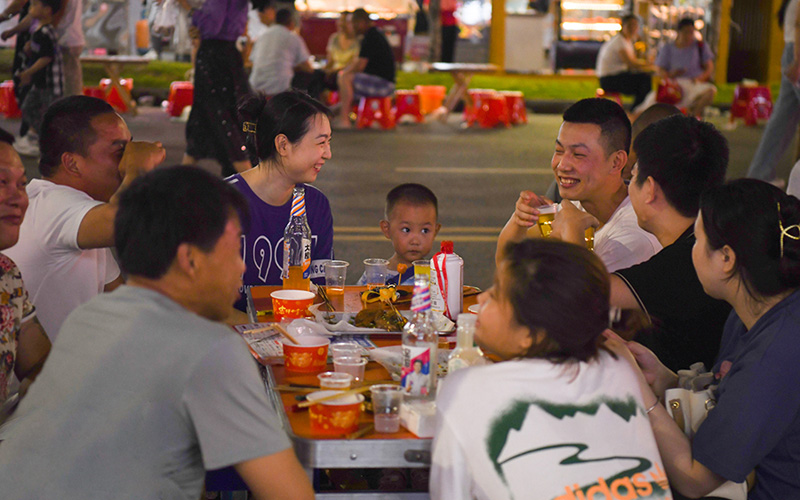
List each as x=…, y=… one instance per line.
x=378, y=109
x=408, y=104
x=751, y=103
x=614, y=96
x=471, y=104
x=113, y=97
x=8, y=101
x=516, y=106
x=430, y=97
x=181, y=95
x=492, y=112
x=333, y=98
x=96, y=92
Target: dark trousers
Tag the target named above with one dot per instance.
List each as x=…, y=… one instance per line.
x=628, y=83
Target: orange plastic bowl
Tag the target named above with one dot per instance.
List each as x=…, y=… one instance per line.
x=291, y=303
x=336, y=417
x=310, y=356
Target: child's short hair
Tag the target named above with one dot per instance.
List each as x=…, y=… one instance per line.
x=55, y=5
x=415, y=194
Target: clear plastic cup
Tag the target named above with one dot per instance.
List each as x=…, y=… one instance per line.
x=335, y=381
x=386, y=401
x=355, y=366
x=345, y=349
x=335, y=276
x=375, y=272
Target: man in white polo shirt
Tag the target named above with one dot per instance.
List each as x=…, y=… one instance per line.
x=63, y=250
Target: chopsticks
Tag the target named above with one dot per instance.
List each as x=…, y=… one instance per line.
x=322, y=293
x=306, y=404
x=286, y=334
x=259, y=330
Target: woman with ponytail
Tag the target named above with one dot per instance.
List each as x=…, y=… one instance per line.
x=747, y=252
x=288, y=140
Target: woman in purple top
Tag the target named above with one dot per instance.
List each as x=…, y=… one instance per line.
x=289, y=140
x=219, y=82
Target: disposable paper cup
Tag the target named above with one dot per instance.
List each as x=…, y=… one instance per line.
x=353, y=365
x=335, y=381
x=337, y=416
x=309, y=356
x=291, y=303
x=386, y=401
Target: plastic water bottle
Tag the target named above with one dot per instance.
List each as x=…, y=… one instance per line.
x=296, y=273
x=420, y=343
x=447, y=279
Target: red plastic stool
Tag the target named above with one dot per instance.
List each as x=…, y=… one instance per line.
x=8, y=101
x=475, y=96
x=493, y=112
x=113, y=97
x=181, y=95
x=516, y=106
x=751, y=103
x=378, y=109
x=614, y=96
x=96, y=92
x=408, y=104
x=333, y=98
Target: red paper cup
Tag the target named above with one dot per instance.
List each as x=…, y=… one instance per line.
x=337, y=416
x=310, y=356
x=291, y=303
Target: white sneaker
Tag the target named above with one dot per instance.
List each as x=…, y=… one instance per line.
x=26, y=146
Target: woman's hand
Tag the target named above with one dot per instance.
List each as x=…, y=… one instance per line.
x=654, y=374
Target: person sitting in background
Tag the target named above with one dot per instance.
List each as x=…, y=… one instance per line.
x=747, y=253
x=618, y=68
x=342, y=49
x=372, y=74
x=509, y=429
x=87, y=161
x=24, y=345
x=679, y=158
x=277, y=55
x=411, y=223
x=691, y=63
x=591, y=151
x=162, y=390
x=289, y=142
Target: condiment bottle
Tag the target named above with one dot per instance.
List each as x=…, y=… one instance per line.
x=466, y=353
x=296, y=272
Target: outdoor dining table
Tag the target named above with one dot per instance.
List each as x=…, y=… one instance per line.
x=370, y=450
x=462, y=74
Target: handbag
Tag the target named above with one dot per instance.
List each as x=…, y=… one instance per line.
x=689, y=404
x=669, y=91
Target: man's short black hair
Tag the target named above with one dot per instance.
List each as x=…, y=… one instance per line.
x=685, y=156
x=170, y=206
x=615, y=127
x=628, y=18
x=284, y=17
x=67, y=128
x=415, y=194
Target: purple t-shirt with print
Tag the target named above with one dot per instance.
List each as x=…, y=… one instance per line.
x=262, y=242
x=689, y=58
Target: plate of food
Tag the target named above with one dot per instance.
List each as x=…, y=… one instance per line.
x=367, y=321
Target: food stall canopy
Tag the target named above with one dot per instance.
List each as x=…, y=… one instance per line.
x=382, y=8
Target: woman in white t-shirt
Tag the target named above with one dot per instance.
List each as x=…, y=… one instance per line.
x=618, y=68
x=559, y=416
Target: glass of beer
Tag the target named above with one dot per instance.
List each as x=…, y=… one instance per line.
x=589, y=238
x=546, y=215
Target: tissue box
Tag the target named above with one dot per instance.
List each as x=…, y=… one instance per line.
x=419, y=417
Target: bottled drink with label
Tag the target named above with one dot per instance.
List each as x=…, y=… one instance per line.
x=420, y=343
x=466, y=353
x=447, y=277
x=297, y=245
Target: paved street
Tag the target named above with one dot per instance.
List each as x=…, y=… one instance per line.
x=476, y=174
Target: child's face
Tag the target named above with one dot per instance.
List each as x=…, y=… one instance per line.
x=496, y=331
x=412, y=229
